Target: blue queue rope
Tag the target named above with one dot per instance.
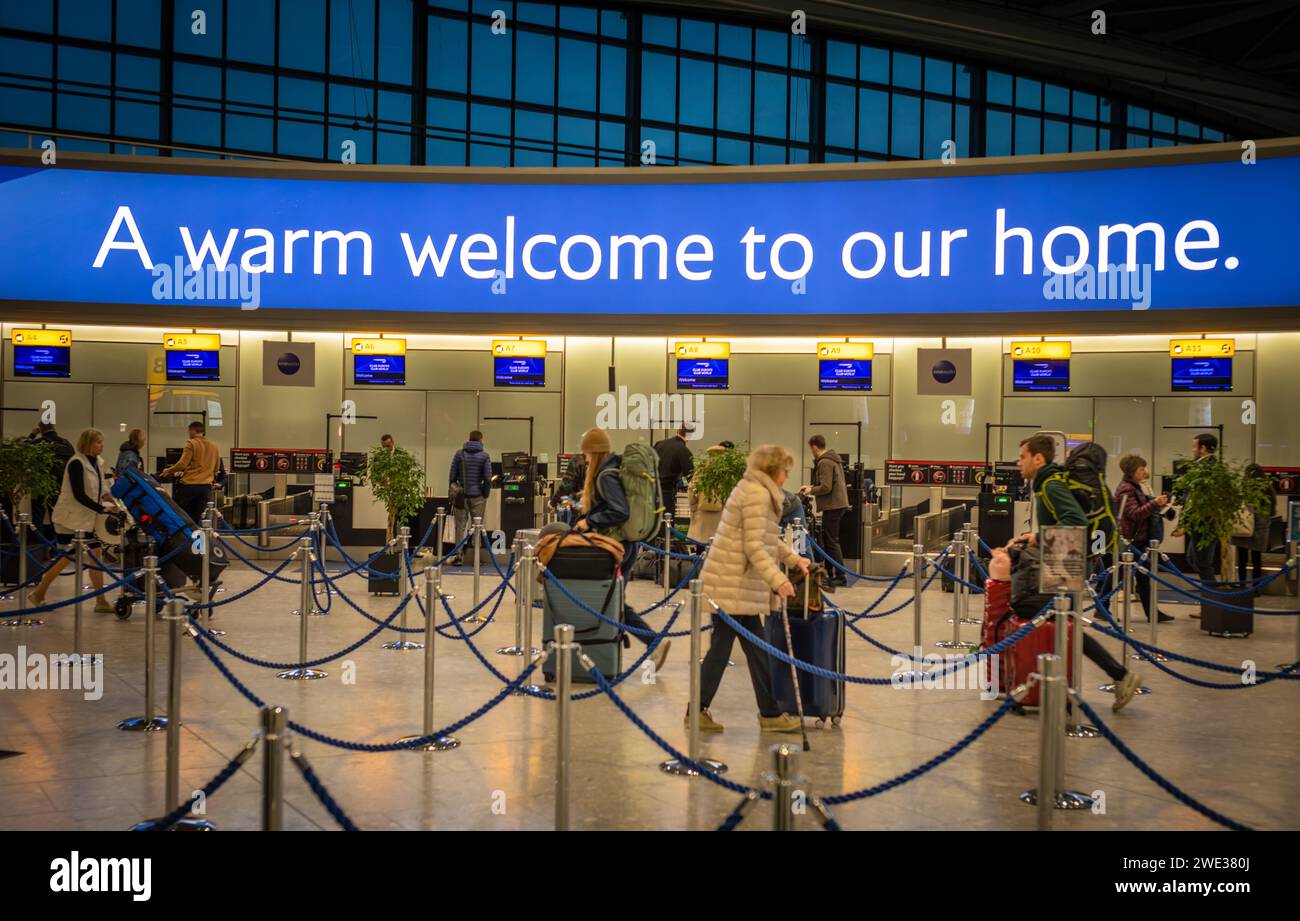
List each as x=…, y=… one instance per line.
x=852, y=574
x=1251, y=584
x=1220, y=604
x=55, y=605
x=322, y=795
x=211, y=787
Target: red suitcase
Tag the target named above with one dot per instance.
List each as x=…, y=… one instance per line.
x=1017, y=663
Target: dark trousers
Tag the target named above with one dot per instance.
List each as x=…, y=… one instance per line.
x=1203, y=560
x=1256, y=563
x=669, y=490
x=831, y=520
x=1101, y=657
x=631, y=617
x=193, y=499
x=1141, y=581
x=714, y=667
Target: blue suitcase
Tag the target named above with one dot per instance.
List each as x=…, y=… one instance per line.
x=168, y=527
x=820, y=641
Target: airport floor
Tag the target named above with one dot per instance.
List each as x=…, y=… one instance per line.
x=1238, y=751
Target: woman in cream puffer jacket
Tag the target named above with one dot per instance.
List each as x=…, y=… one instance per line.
x=742, y=576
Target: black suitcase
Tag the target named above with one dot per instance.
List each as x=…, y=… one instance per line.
x=385, y=584
x=1217, y=620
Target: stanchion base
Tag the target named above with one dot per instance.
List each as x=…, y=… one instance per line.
x=22, y=622
x=473, y=619
x=528, y=690
x=952, y=644
x=682, y=769
x=1286, y=665
x=969, y=621
x=314, y=612
x=440, y=744
x=1110, y=689
x=516, y=651
x=183, y=825
x=140, y=724
x=1227, y=635
x=1158, y=657
x=1082, y=731
x=302, y=674
x=207, y=633
x=403, y=644
x=1065, y=799
x=730, y=664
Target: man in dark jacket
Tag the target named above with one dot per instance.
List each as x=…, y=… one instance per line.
x=832, y=494
x=676, y=465
x=1204, y=560
x=63, y=452
x=471, y=471
x=1055, y=504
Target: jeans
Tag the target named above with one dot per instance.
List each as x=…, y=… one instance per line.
x=474, y=508
x=715, y=662
x=193, y=498
x=831, y=520
x=1204, y=560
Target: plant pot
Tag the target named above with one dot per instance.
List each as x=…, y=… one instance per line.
x=385, y=584
x=1217, y=620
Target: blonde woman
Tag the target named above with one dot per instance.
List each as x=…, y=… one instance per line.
x=82, y=497
x=742, y=575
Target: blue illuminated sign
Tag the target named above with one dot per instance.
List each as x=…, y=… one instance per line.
x=1046, y=374
x=519, y=372
x=843, y=375
x=42, y=361
x=1194, y=374
x=378, y=369
x=1181, y=235
x=199, y=365
x=702, y=373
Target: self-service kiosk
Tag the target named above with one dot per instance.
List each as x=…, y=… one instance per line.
x=518, y=481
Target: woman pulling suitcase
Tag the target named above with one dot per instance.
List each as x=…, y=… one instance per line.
x=604, y=507
x=742, y=575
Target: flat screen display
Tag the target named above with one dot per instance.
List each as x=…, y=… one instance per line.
x=702, y=373
x=42, y=361
x=379, y=369
x=196, y=365
x=1193, y=374
x=833, y=374
x=519, y=372
x=1038, y=374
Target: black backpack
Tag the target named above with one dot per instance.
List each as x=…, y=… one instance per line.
x=1085, y=476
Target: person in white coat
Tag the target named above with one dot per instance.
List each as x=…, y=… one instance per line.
x=83, y=496
x=742, y=575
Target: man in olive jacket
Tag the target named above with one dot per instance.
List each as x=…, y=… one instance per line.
x=832, y=494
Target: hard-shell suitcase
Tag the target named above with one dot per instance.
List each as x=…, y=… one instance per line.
x=591, y=575
x=1220, y=620
x=818, y=636
x=378, y=581
x=1016, y=664
x=171, y=530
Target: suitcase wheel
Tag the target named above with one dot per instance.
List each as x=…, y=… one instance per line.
x=122, y=608
x=821, y=723
x=835, y=720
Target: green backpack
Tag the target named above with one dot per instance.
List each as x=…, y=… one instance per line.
x=639, y=473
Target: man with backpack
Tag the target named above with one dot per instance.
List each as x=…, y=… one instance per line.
x=469, y=485
x=620, y=499
x=1056, y=502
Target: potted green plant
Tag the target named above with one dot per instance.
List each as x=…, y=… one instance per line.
x=26, y=472
x=396, y=480
x=716, y=474
x=1217, y=491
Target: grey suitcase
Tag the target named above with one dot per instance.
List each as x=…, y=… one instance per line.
x=602, y=642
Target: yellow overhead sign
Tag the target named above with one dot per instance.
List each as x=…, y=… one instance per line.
x=519, y=348
x=1202, y=348
x=375, y=346
x=703, y=349
x=192, y=342
x=1040, y=350
x=41, y=337
x=846, y=351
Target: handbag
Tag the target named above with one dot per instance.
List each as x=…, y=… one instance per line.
x=1243, y=524
x=456, y=495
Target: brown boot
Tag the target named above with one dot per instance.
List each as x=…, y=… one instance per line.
x=783, y=723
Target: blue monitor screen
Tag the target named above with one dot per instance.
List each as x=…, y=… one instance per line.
x=1040, y=374
x=379, y=369
x=1191, y=374
x=42, y=361
x=702, y=373
x=194, y=366
x=833, y=374
x=519, y=372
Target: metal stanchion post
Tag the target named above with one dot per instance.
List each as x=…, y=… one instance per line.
x=1075, y=727
x=518, y=648
x=275, y=721
x=404, y=593
x=432, y=596
x=1126, y=604
x=918, y=590
x=205, y=574
x=5, y=521
x=668, y=547
x=1153, y=602
x=172, y=796
x=1051, y=711
x=477, y=532
x=322, y=541
x=784, y=779
x=1293, y=561
x=959, y=548
x=971, y=549
x=673, y=765
x=148, y=722
x=79, y=542
x=528, y=580
x=564, y=646
x=22, y=620
x=302, y=672
x=439, y=530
